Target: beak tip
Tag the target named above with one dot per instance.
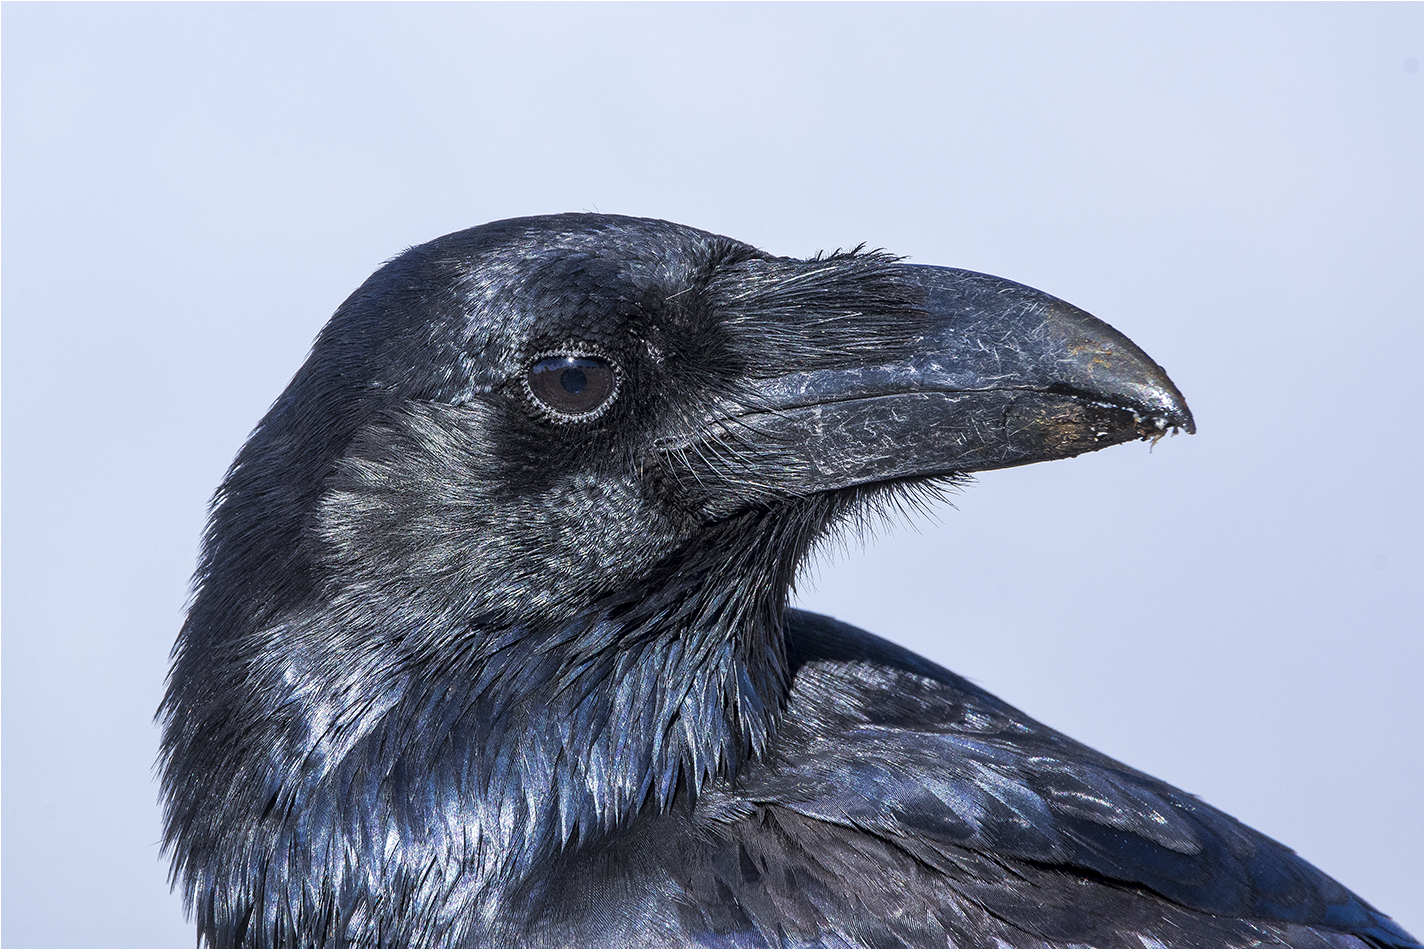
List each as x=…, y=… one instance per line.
x=1173, y=414
x=1177, y=417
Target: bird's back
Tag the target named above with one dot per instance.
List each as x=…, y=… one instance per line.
x=902, y=805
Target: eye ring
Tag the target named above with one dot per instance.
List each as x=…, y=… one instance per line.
x=575, y=384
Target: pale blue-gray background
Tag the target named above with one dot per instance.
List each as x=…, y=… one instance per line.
x=189, y=191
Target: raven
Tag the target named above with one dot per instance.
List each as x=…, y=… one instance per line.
x=490, y=644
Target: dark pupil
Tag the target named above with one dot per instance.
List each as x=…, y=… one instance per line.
x=573, y=381
x=572, y=385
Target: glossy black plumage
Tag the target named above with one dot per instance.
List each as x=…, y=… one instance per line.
x=474, y=659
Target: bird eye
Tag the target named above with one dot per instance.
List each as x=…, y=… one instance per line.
x=571, y=387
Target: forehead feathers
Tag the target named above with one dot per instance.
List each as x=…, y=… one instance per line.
x=457, y=317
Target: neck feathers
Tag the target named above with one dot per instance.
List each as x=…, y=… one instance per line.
x=400, y=784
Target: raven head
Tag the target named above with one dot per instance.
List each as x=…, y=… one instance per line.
x=507, y=560
x=536, y=413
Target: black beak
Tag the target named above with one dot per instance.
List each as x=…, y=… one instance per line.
x=1003, y=375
